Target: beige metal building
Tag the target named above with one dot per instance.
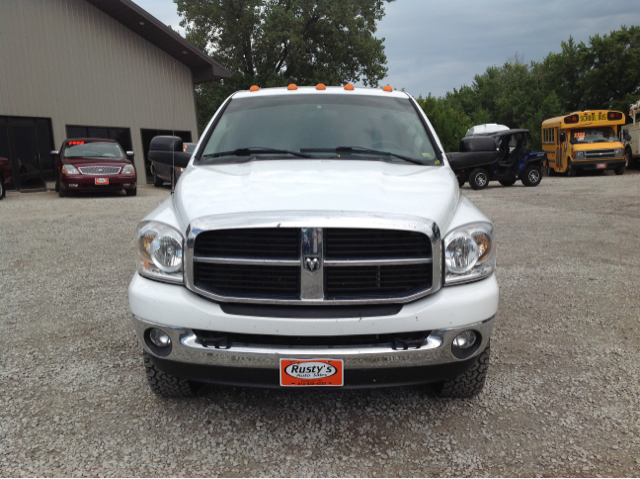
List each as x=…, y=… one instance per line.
x=92, y=68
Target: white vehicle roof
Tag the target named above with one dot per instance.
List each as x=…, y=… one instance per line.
x=305, y=90
x=635, y=106
x=486, y=128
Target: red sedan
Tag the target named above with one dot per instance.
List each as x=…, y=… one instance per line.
x=94, y=164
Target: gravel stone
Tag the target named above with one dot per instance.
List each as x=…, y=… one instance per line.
x=560, y=399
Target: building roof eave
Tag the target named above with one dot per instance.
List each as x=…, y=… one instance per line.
x=141, y=22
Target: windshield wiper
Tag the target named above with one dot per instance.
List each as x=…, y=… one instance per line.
x=254, y=150
x=362, y=149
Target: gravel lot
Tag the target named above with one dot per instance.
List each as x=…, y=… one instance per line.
x=561, y=399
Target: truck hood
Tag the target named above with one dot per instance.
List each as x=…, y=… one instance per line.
x=317, y=185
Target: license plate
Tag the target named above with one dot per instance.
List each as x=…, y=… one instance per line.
x=102, y=181
x=601, y=165
x=311, y=372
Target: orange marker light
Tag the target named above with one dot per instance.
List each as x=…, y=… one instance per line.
x=387, y=88
x=321, y=86
x=292, y=86
x=349, y=86
x=254, y=88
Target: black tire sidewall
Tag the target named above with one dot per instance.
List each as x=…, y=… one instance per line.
x=525, y=177
x=473, y=179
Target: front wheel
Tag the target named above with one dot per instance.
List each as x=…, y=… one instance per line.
x=132, y=191
x=628, y=158
x=532, y=176
x=479, y=179
x=2, y=190
x=571, y=171
x=620, y=170
x=62, y=192
x=57, y=184
x=164, y=384
x=157, y=182
x=470, y=383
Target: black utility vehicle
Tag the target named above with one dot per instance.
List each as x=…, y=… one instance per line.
x=511, y=160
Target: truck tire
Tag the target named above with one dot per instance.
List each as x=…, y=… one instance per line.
x=531, y=176
x=479, y=179
x=571, y=171
x=619, y=170
x=166, y=385
x=157, y=182
x=470, y=383
x=132, y=191
x=628, y=158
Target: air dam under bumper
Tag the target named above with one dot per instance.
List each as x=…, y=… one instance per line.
x=590, y=165
x=178, y=312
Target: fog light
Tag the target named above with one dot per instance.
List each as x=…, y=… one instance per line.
x=159, y=338
x=465, y=340
x=73, y=185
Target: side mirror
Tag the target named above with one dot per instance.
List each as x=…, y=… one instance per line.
x=626, y=136
x=562, y=136
x=54, y=153
x=130, y=154
x=168, y=150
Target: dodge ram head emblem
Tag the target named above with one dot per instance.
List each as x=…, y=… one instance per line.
x=311, y=264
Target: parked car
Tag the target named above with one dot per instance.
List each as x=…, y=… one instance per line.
x=84, y=164
x=509, y=161
x=5, y=176
x=162, y=172
x=316, y=239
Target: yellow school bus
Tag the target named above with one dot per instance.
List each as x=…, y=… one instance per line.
x=586, y=140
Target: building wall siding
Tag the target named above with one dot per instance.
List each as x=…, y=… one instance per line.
x=68, y=61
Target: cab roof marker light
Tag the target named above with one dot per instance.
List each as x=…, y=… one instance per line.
x=254, y=88
x=321, y=86
x=387, y=88
x=292, y=86
x=349, y=87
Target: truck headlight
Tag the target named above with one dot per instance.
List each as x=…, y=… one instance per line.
x=618, y=153
x=469, y=253
x=128, y=170
x=580, y=155
x=160, y=250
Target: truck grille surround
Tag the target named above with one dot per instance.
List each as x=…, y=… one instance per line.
x=599, y=154
x=312, y=265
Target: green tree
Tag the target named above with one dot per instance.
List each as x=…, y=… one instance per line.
x=450, y=124
x=276, y=42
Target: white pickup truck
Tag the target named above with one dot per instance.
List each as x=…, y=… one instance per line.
x=317, y=238
x=630, y=136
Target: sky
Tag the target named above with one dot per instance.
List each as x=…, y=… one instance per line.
x=434, y=46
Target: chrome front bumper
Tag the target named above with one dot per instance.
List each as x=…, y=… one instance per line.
x=436, y=350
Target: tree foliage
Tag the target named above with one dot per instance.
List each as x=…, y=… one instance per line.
x=603, y=74
x=277, y=42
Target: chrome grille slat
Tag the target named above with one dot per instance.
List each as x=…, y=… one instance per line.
x=99, y=170
x=597, y=154
x=348, y=258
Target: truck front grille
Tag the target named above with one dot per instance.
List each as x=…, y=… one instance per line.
x=343, y=265
x=597, y=154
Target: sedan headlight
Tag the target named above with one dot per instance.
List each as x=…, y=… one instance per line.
x=618, y=153
x=580, y=155
x=128, y=170
x=469, y=253
x=70, y=170
x=160, y=250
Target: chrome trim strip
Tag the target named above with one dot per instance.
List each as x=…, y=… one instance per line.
x=376, y=262
x=435, y=350
x=248, y=261
x=311, y=265
x=316, y=220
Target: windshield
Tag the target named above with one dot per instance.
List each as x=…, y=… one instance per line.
x=320, y=126
x=603, y=134
x=93, y=149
